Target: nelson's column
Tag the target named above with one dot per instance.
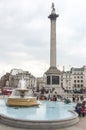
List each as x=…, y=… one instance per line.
x=53, y=75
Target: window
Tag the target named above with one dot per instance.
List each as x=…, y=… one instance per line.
x=78, y=81
x=74, y=85
x=81, y=85
x=55, y=79
x=75, y=81
x=81, y=72
x=48, y=79
x=78, y=85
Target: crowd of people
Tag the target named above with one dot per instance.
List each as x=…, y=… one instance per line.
x=77, y=98
x=49, y=97
x=80, y=107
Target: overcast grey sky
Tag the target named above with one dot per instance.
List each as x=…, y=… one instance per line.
x=25, y=34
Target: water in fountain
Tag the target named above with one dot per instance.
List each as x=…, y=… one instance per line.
x=22, y=84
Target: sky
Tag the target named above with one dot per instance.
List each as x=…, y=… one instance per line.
x=25, y=35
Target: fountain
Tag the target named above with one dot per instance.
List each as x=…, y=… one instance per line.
x=22, y=114
x=49, y=114
x=22, y=96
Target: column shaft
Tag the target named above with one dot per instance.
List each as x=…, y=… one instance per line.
x=53, y=44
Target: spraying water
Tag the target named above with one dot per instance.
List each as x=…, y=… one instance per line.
x=22, y=84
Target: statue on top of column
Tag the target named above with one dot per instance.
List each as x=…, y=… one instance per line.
x=53, y=8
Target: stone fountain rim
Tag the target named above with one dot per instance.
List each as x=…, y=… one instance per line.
x=21, y=123
x=74, y=113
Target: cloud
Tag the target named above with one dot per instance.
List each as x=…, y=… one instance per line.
x=25, y=34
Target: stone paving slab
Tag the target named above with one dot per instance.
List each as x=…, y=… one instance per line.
x=79, y=126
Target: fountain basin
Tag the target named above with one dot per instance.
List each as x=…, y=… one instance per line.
x=24, y=102
x=52, y=124
x=49, y=115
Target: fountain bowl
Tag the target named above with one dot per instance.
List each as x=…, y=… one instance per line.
x=21, y=96
x=22, y=102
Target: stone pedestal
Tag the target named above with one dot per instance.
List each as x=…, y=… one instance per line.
x=53, y=78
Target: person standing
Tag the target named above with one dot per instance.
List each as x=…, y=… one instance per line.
x=83, y=110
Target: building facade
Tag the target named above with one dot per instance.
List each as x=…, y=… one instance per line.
x=12, y=79
x=75, y=79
